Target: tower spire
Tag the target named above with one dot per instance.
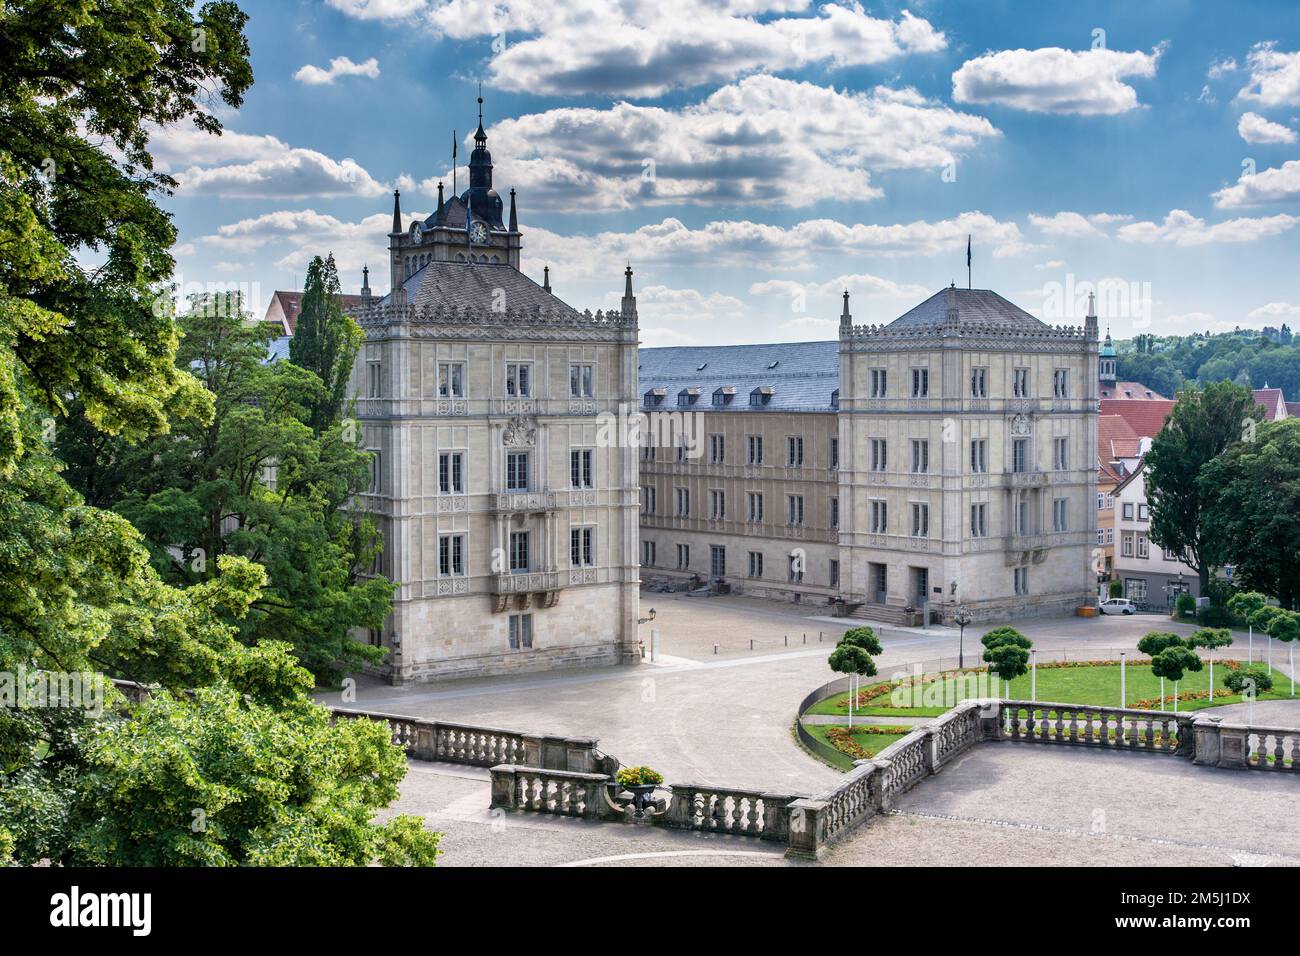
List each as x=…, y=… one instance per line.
x=514, y=217
x=629, y=300
x=439, y=215
x=397, y=211
x=846, y=319
x=546, y=278
x=365, y=282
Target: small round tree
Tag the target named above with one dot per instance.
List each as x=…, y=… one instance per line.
x=1286, y=628
x=1211, y=638
x=1173, y=662
x=852, y=660
x=1008, y=661
x=1248, y=683
x=1243, y=605
x=1116, y=589
x=1152, y=644
x=1262, y=620
x=863, y=637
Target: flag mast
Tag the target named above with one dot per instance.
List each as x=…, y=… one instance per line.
x=968, y=285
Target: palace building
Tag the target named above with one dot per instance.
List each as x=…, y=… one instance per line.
x=944, y=459
x=510, y=530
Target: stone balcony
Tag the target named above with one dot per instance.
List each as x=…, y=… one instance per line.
x=1024, y=479
x=526, y=589
x=525, y=502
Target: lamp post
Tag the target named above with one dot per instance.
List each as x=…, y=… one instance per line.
x=962, y=618
x=654, y=634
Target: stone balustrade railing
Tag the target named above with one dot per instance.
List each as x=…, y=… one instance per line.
x=721, y=810
x=1116, y=727
x=485, y=746
x=561, y=792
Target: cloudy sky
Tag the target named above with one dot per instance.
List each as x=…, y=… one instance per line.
x=753, y=158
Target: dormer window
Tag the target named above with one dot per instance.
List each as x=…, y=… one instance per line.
x=687, y=397
x=723, y=396
x=761, y=396
x=772, y=365
x=835, y=399
x=702, y=366
x=655, y=397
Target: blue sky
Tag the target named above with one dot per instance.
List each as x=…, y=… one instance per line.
x=753, y=157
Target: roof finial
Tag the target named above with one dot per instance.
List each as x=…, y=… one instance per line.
x=479, y=135
x=546, y=278
x=629, y=300
x=845, y=318
x=1092, y=307
x=365, y=280
x=514, y=217
x=397, y=210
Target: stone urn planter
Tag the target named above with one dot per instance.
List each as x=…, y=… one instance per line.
x=641, y=783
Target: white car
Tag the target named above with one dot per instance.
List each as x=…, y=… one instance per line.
x=1118, y=606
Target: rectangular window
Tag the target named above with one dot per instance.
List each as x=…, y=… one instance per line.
x=1126, y=544
x=1110, y=501
x=920, y=383
x=1135, y=589
x=1021, y=580
x=451, y=473
x=1061, y=454
x=521, y=631
x=683, y=557
x=648, y=553
x=1061, y=383
x=451, y=380
x=1143, y=511
x=879, y=460
x=517, y=471
x=1060, y=515
x=979, y=456
x=581, y=472
x=717, y=504
x=979, y=382
x=1127, y=511
x=683, y=502
x=582, y=551
x=582, y=381
x=519, y=379
x=755, y=564
x=878, y=383
x=1022, y=516
x=979, y=527
x=1020, y=382
x=651, y=500
x=879, y=517
x=451, y=555
x=920, y=456
x=1100, y=498
x=374, y=378
x=376, y=471
x=717, y=561
x=1110, y=535
x=794, y=452
x=1020, y=455
x=794, y=509
x=756, y=449
x=794, y=569
x=755, y=511
x=833, y=578
x=717, y=449
x=1143, y=546
x=833, y=454
x=835, y=512
x=518, y=552
x=920, y=520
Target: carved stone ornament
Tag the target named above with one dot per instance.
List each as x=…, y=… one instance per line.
x=1020, y=425
x=519, y=431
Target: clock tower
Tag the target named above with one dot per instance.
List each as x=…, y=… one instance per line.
x=469, y=228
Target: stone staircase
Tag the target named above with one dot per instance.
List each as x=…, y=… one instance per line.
x=888, y=614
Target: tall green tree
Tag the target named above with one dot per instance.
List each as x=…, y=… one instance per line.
x=325, y=341
x=1253, y=490
x=1204, y=423
x=256, y=480
x=82, y=86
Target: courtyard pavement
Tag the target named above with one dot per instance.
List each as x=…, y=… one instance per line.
x=725, y=718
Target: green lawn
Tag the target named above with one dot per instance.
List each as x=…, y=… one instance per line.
x=863, y=736
x=1067, y=685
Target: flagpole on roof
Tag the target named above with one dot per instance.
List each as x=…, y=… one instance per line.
x=968, y=285
x=453, y=162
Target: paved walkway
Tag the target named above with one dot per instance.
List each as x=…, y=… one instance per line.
x=999, y=804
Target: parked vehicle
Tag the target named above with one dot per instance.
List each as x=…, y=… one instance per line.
x=1118, y=606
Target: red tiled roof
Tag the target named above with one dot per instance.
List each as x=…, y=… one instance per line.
x=1145, y=416
x=1130, y=391
x=1271, y=399
x=1116, y=438
x=291, y=302
x=1293, y=409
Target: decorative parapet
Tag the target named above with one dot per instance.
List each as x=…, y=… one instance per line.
x=722, y=810
x=967, y=330
x=504, y=323
x=565, y=793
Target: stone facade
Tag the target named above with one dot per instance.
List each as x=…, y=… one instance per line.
x=509, y=524
x=958, y=445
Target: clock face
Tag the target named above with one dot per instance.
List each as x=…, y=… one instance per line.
x=478, y=232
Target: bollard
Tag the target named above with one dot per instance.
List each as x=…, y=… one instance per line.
x=805, y=638
x=787, y=640
x=819, y=637
x=715, y=647
x=751, y=643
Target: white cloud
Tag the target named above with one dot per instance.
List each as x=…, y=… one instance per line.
x=661, y=303
x=1050, y=265
x=762, y=141
x=1054, y=80
x=1279, y=184
x=858, y=284
x=1073, y=225
x=1255, y=129
x=1182, y=228
x=1220, y=68
x=1275, y=310
x=339, y=66
x=244, y=165
x=379, y=9
x=1274, y=76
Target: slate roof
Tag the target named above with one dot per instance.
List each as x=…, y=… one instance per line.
x=278, y=349
x=475, y=284
x=805, y=375
x=973, y=306
x=1130, y=390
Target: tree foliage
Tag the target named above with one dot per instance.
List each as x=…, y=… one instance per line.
x=1152, y=643
x=863, y=637
x=1174, y=661
x=325, y=341
x=851, y=659
x=1203, y=424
